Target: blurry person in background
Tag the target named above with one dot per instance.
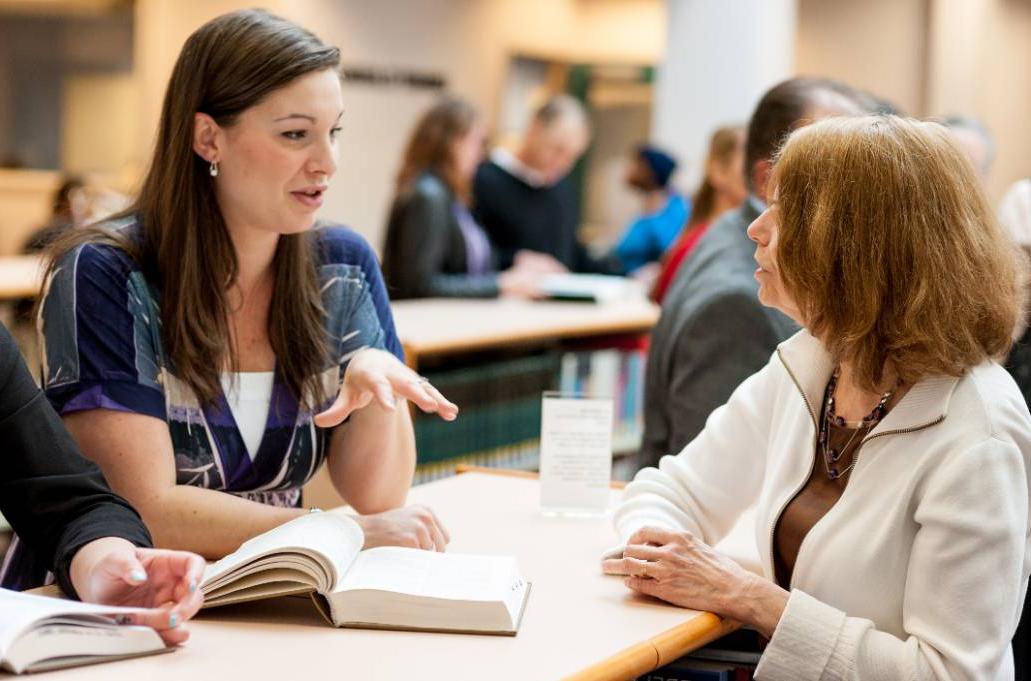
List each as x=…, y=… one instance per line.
x=526, y=200
x=722, y=189
x=76, y=203
x=1015, y=216
x=434, y=246
x=713, y=333
x=975, y=140
x=70, y=210
x=664, y=209
x=1015, y=211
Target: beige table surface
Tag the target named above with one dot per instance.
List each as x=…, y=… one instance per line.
x=446, y=325
x=20, y=276
x=575, y=620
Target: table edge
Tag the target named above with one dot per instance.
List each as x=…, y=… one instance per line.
x=510, y=338
x=645, y=656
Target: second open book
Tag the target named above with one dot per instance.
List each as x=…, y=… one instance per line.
x=381, y=588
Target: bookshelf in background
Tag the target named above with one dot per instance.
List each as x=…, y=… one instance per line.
x=495, y=358
x=499, y=393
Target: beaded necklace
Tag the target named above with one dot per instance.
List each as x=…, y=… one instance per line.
x=832, y=456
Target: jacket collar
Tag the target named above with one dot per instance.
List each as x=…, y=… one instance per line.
x=810, y=367
x=510, y=163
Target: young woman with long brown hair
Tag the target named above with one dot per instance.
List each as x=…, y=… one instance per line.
x=434, y=246
x=209, y=349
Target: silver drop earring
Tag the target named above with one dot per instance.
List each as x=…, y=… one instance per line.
x=213, y=169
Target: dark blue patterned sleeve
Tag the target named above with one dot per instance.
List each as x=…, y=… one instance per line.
x=99, y=322
x=345, y=253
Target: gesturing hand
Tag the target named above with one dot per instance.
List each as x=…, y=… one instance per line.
x=538, y=263
x=112, y=571
x=378, y=375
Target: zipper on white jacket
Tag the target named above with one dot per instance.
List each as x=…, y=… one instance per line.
x=899, y=431
x=855, y=465
x=773, y=523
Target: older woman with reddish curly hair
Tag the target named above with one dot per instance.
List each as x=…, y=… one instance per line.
x=885, y=449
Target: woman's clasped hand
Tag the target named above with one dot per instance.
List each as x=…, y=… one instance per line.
x=679, y=568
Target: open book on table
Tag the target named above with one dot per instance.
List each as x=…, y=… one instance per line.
x=380, y=588
x=38, y=633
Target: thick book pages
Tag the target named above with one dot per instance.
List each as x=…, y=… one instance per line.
x=383, y=587
x=38, y=633
x=303, y=555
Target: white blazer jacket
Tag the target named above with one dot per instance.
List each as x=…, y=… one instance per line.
x=919, y=570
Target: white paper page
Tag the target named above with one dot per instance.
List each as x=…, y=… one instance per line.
x=601, y=287
x=336, y=537
x=576, y=454
x=55, y=646
x=428, y=573
x=20, y=611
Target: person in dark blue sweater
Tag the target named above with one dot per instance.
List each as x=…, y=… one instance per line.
x=526, y=200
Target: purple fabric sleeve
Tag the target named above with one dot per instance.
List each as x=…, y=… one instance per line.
x=93, y=398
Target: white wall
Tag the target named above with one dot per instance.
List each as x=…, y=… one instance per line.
x=979, y=60
x=933, y=58
x=98, y=125
x=720, y=57
x=877, y=45
x=609, y=205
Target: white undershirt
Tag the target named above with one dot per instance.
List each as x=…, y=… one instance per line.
x=249, y=394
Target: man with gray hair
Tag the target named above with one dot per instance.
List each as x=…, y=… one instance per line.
x=526, y=200
x=975, y=140
x=713, y=332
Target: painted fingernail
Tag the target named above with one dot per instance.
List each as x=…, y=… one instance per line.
x=138, y=576
x=123, y=619
x=173, y=621
x=193, y=585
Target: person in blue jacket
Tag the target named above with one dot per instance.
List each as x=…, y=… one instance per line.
x=665, y=210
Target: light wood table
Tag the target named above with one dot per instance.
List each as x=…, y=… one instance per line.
x=21, y=276
x=578, y=623
x=442, y=326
